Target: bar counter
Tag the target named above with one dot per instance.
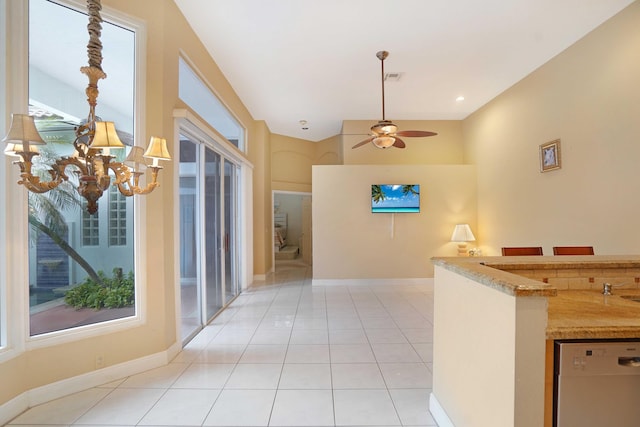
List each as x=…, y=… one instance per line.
x=495, y=319
x=573, y=313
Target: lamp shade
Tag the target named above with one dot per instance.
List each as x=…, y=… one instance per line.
x=136, y=159
x=157, y=149
x=14, y=149
x=23, y=130
x=462, y=233
x=105, y=136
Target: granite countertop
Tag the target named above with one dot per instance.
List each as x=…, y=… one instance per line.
x=572, y=314
x=482, y=270
x=591, y=315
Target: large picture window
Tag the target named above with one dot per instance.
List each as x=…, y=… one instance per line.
x=203, y=101
x=81, y=267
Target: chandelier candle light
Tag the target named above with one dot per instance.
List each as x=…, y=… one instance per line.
x=92, y=160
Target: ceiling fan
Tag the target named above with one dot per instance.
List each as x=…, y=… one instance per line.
x=385, y=134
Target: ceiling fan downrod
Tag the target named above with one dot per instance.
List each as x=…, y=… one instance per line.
x=382, y=55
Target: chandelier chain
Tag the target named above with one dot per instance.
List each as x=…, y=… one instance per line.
x=94, y=47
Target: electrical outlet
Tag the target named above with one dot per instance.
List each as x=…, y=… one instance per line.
x=99, y=362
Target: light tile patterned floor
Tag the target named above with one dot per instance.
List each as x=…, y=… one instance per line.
x=282, y=354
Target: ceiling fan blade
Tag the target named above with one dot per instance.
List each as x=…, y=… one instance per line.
x=415, y=133
x=399, y=143
x=361, y=143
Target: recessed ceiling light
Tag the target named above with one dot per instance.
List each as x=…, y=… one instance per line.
x=460, y=98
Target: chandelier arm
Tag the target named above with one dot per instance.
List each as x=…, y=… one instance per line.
x=33, y=183
x=128, y=181
x=62, y=164
x=123, y=177
x=125, y=189
x=130, y=190
x=57, y=172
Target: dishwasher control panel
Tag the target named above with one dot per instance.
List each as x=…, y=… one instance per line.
x=599, y=358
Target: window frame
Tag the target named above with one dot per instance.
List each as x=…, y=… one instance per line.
x=16, y=83
x=3, y=182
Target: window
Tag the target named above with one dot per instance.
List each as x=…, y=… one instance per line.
x=71, y=250
x=90, y=227
x=203, y=101
x=117, y=219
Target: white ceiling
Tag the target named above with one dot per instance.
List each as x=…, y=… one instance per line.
x=315, y=60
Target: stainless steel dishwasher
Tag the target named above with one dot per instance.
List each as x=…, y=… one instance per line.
x=597, y=384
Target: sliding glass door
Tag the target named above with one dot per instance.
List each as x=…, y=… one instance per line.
x=208, y=247
x=230, y=237
x=213, y=232
x=190, y=297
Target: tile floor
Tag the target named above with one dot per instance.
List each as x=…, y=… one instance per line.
x=283, y=353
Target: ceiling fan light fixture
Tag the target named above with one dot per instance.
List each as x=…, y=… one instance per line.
x=384, y=141
x=384, y=127
x=384, y=134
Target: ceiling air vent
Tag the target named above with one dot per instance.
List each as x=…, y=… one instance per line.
x=392, y=77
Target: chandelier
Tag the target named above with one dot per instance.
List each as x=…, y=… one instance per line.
x=92, y=160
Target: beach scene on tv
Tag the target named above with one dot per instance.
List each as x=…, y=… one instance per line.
x=392, y=198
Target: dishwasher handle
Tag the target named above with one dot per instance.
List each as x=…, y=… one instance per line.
x=631, y=362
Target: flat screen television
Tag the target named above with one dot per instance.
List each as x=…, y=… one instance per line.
x=395, y=198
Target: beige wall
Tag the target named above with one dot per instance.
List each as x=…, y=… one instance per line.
x=262, y=226
x=329, y=151
x=589, y=97
x=350, y=242
x=292, y=158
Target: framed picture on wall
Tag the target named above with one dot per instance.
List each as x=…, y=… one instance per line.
x=550, y=156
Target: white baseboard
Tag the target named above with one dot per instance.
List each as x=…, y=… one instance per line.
x=438, y=413
x=426, y=281
x=13, y=408
x=46, y=393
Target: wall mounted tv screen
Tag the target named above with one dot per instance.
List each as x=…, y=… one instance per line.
x=395, y=198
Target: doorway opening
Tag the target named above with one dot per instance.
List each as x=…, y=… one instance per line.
x=292, y=238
